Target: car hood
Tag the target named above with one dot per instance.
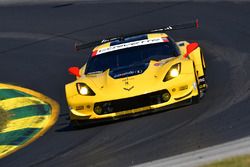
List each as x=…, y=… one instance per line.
x=147, y=81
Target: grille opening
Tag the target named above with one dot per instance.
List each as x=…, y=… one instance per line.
x=153, y=98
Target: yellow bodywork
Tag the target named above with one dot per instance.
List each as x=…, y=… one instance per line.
x=106, y=88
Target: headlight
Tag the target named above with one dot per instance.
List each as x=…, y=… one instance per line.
x=83, y=89
x=173, y=72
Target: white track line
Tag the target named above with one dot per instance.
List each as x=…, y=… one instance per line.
x=37, y=2
x=204, y=156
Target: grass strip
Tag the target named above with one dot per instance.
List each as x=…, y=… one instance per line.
x=10, y=93
x=4, y=118
x=18, y=137
x=238, y=161
x=29, y=111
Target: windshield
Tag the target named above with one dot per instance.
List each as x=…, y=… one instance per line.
x=131, y=57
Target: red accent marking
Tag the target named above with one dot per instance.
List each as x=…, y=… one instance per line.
x=185, y=55
x=74, y=71
x=165, y=39
x=197, y=23
x=190, y=48
x=94, y=53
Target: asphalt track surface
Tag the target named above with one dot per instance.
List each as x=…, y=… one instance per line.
x=36, y=48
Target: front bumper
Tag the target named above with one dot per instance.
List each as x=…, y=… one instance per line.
x=130, y=103
x=89, y=122
x=127, y=104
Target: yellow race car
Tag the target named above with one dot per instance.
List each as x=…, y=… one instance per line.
x=135, y=74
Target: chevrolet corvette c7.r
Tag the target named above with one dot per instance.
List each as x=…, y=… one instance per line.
x=132, y=74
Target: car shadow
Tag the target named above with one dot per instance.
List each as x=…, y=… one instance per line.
x=87, y=125
x=70, y=127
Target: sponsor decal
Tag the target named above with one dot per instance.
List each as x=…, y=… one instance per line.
x=202, y=79
x=128, y=73
x=130, y=44
x=124, y=74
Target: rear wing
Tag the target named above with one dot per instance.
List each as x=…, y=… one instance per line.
x=193, y=24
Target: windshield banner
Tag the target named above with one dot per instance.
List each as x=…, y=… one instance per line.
x=129, y=45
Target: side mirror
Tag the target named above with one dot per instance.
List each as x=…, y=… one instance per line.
x=190, y=48
x=74, y=71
